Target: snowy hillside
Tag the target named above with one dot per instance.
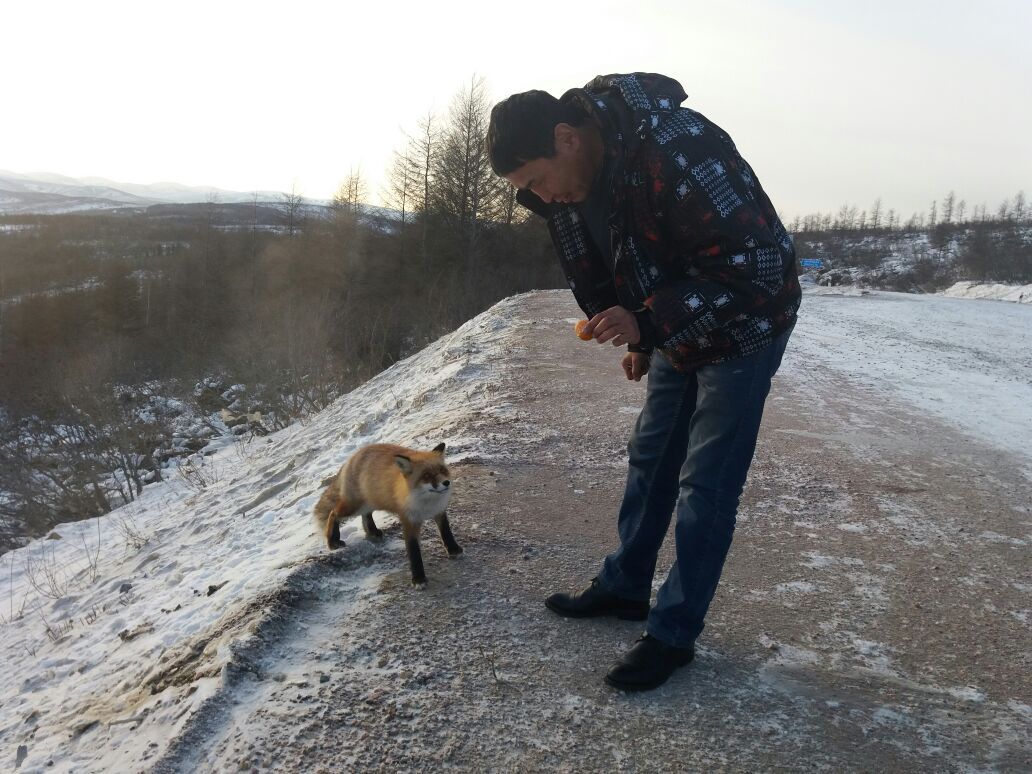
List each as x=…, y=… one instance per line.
x=920, y=260
x=115, y=634
x=179, y=575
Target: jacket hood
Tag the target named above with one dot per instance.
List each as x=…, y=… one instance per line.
x=629, y=104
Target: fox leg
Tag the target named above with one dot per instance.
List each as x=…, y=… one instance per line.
x=371, y=530
x=340, y=511
x=454, y=549
x=415, y=556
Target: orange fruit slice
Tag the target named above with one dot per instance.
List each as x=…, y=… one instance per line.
x=579, y=330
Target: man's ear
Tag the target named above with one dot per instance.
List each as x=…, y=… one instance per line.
x=566, y=137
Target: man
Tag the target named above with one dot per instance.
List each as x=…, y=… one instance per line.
x=670, y=246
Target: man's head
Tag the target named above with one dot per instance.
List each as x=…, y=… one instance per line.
x=537, y=142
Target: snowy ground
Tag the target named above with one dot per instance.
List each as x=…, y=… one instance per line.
x=990, y=290
x=968, y=363
x=214, y=630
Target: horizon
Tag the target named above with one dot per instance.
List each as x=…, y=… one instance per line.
x=969, y=215
x=832, y=105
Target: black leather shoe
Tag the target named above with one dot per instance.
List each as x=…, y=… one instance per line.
x=595, y=601
x=648, y=664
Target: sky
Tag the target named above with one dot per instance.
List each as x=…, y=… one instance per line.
x=831, y=102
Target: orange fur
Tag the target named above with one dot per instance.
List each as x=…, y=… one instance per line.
x=413, y=485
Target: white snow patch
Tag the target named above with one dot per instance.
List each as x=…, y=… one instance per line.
x=996, y=537
x=820, y=561
x=789, y=654
x=967, y=693
x=796, y=587
x=848, y=527
x=1021, y=294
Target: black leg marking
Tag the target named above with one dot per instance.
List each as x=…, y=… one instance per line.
x=335, y=542
x=370, y=527
x=454, y=549
x=415, y=561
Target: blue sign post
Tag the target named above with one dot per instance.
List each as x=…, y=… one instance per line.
x=811, y=263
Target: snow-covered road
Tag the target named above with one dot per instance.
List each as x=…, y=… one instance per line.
x=966, y=362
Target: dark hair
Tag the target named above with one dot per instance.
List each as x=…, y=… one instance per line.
x=523, y=128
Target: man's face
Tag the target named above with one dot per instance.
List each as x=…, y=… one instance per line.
x=565, y=177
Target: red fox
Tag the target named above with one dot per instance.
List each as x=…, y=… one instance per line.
x=413, y=485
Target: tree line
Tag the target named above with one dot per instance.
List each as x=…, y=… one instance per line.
x=949, y=242
x=949, y=212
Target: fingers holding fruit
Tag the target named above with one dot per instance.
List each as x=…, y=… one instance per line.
x=579, y=329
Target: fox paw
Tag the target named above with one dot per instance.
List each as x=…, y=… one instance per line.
x=455, y=553
x=335, y=544
x=419, y=583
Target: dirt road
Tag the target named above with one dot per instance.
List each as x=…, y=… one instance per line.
x=873, y=616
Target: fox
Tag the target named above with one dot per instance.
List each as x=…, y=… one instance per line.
x=413, y=485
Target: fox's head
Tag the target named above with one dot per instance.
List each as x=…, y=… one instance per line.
x=428, y=478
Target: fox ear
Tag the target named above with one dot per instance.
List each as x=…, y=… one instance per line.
x=439, y=449
x=404, y=463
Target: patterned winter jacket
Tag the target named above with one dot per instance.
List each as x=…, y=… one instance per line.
x=699, y=253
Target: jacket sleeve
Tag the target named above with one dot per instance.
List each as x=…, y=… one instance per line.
x=723, y=249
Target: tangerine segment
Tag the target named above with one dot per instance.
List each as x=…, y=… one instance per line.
x=579, y=330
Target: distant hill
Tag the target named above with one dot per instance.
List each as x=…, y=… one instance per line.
x=46, y=193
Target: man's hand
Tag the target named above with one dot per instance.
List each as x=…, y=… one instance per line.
x=615, y=324
x=635, y=365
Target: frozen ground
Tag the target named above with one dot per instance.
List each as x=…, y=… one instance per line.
x=990, y=290
x=967, y=363
x=874, y=614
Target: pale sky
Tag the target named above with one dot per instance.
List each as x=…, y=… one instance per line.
x=832, y=102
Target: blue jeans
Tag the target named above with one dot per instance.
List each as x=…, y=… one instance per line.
x=690, y=453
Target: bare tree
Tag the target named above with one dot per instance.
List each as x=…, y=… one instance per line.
x=876, y=210
x=351, y=194
x=467, y=192
x=948, y=205
x=1018, y=210
x=401, y=188
x=293, y=209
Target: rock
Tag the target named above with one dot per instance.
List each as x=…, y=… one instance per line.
x=124, y=588
x=210, y=399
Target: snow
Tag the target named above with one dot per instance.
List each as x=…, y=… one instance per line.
x=1021, y=294
x=966, y=362
x=139, y=615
